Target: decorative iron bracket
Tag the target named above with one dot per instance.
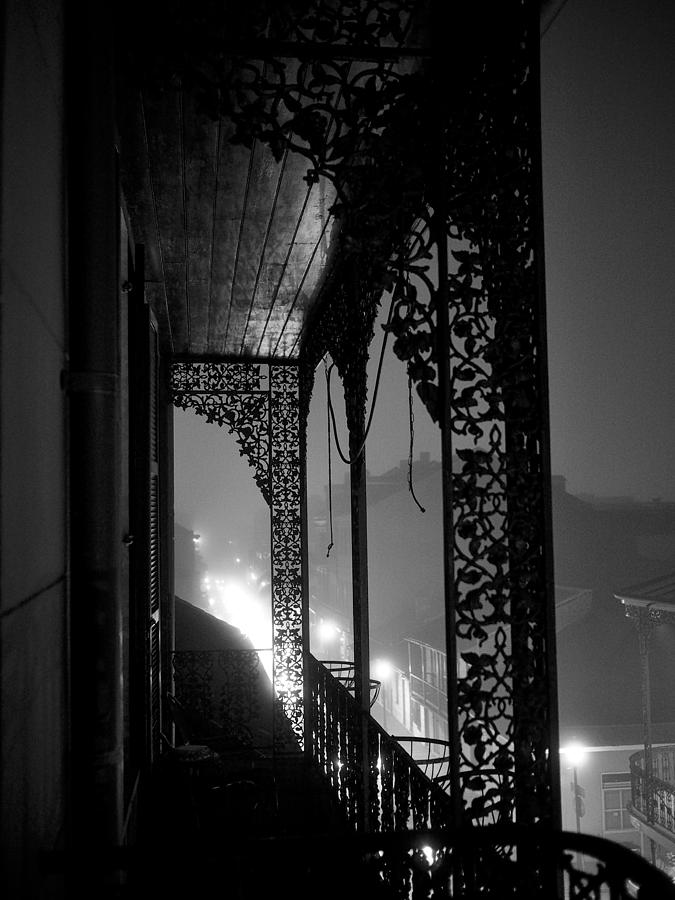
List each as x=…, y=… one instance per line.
x=260, y=405
x=234, y=395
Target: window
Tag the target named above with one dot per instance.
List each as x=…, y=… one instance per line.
x=417, y=715
x=616, y=796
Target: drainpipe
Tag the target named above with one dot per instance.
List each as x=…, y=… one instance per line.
x=92, y=382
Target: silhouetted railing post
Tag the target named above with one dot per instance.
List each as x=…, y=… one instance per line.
x=442, y=77
x=359, y=524
x=304, y=562
x=491, y=404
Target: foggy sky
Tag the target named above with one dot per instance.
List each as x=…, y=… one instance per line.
x=608, y=74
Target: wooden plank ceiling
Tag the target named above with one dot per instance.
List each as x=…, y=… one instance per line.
x=237, y=245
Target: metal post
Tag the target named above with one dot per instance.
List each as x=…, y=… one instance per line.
x=645, y=626
x=304, y=550
x=359, y=529
x=577, y=810
x=554, y=812
x=440, y=31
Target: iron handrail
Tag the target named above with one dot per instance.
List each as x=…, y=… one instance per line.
x=491, y=862
x=345, y=672
x=435, y=767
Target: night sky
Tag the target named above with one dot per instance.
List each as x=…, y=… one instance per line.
x=608, y=70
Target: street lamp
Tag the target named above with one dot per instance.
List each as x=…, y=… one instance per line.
x=328, y=631
x=382, y=669
x=575, y=754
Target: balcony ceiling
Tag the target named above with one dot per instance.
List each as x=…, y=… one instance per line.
x=237, y=244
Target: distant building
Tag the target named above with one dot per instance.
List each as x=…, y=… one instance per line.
x=413, y=698
x=604, y=546
x=603, y=779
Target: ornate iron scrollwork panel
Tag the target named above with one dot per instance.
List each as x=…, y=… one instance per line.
x=482, y=215
x=260, y=404
x=286, y=543
x=234, y=395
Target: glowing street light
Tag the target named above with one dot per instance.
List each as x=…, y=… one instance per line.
x=575, y=753
x=328, y=631
x=382, y=669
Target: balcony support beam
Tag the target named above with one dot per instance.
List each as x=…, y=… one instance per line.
x=359, y=529
x=442, y=335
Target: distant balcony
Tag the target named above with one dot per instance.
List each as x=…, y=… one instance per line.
x=653, y=795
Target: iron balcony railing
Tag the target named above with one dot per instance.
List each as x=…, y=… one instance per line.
x=653, y=795
x=488, y=863
x=432, y=755
x=400, y=796
x=411, y=850
x=231, y=690
x=345, y=673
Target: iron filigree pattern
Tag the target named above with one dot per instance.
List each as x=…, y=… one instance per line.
x=228, y=688
x=286, y=543
x=277, y=72
x=490, y=864
x=496, y=863
x=497, y=412
x=233, y=395
x=485, y=217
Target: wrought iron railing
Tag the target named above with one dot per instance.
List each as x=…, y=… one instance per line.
x=230, y=689
x=345, y=673
x=489, y=863
x=653, y=796
x=400, y=796
x=432, y=755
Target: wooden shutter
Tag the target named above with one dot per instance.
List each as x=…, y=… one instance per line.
x=145, y=625
x=154, y=593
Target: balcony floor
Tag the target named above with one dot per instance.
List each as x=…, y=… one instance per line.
x=236, y=833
